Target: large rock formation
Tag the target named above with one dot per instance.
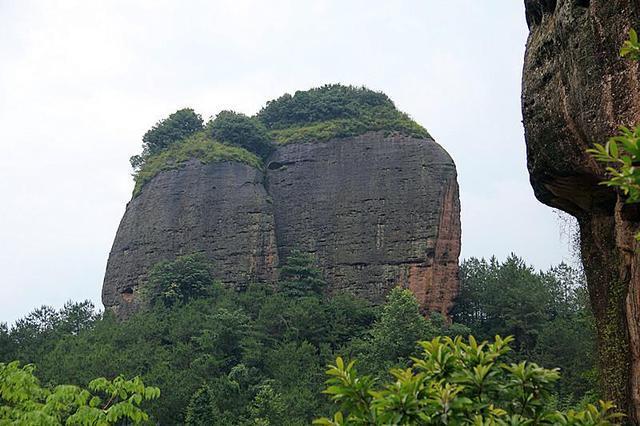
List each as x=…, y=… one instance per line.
x=576, y=91
x=378, y=211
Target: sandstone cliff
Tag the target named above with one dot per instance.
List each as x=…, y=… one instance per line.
x=378, y=210
x=576, y=91
x=221, y=209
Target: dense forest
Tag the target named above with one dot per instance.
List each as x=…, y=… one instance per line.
x=258, y=356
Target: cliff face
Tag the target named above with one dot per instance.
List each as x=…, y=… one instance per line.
x=576, y=91
x=377, y=211
x=221, y=209
x=371, y=208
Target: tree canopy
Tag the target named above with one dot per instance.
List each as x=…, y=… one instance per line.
x=239, y=130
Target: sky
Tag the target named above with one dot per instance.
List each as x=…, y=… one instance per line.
x=81, y=81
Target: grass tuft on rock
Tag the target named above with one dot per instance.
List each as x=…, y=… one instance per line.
x=347, y=127
x=200, y=147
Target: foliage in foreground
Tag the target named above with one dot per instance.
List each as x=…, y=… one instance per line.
x=455, y=382
x=107, y=402
x=621, y=153
x=547, y=312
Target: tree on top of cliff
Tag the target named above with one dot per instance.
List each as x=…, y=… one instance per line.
x=323, y=103
x=237, y=129
x=319, y=114
x=334, y=111
x=178, y=126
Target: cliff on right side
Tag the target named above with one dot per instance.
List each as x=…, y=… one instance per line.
x=576, y=91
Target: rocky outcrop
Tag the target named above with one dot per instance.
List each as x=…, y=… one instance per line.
x=576, y=91
x=377, y=211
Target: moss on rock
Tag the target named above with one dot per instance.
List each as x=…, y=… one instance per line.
x=198, y=146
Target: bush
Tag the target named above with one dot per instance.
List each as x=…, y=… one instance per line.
x=239, y=130
x=455, y=382
x=178, y=126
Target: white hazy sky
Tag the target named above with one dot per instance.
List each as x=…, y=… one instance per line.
x=81, y=81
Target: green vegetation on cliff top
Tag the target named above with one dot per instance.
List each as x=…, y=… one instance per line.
x=334, y=111
x=319, y=114
x=199, y=146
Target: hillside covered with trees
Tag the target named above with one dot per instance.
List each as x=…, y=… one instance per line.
x=259, y=356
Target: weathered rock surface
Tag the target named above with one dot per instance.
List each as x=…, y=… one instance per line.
x=220, y=209
x=377, y=211
x=576, y=91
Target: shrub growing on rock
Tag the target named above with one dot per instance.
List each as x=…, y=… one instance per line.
x=237, y=129
x=175, y=128
x=334, y=111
